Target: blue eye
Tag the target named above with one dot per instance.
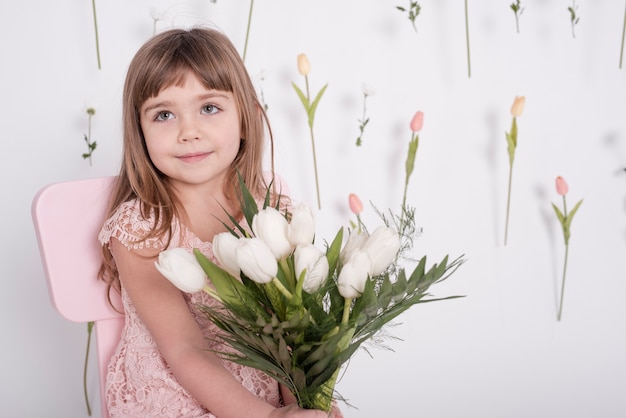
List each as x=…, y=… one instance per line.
x=164, y=115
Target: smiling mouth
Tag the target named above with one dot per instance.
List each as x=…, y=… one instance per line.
x=193, y=157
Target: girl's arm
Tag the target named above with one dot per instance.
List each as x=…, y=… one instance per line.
x=165, y=313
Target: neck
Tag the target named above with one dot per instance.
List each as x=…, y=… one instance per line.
x=205, y=211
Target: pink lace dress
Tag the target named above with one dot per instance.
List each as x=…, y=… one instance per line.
x=139, y=381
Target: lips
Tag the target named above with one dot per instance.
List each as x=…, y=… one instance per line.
x=193, y=157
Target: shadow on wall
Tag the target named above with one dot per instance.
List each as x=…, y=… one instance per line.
x=615, y=147
x=492, y=157
x=551, y=226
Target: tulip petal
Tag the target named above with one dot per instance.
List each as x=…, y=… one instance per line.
x=182, y=269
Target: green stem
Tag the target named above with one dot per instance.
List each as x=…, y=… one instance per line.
x=89, y=135
x=508, y=205
x=621, y=55
x=317, y=183
x=565, y=235
x=346, y=311
x=308, y=95
x=563, y=283
x=282, y=288
x=289, y=274
x=323, y=399
x=360, y=223
x=211, y=292
x=245, y=46
x=469, y=70
x=403, y=208
x=89, y=329
x=95, y=25
x=410, y=164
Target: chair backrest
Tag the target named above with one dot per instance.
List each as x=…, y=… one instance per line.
x=67, y=218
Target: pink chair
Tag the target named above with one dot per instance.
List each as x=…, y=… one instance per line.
x=67, y=218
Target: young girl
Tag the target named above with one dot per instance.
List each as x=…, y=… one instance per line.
x=192, y=120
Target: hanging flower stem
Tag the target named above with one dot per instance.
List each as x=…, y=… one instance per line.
x=565, y=219
x=245, y=46
x=317, y=182
x=304, y=67
x=558, y=317
x=95, y=25
x=511, y=140
x=91, y=145
x=508, y=204
x=517, y=9
x=574, y=19
x=563, y=282
x=89, y=331
x=410, y=164
x=467, y=41
x=621, y=55
x=363, y=121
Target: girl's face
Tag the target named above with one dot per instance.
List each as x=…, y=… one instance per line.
x=192, y=134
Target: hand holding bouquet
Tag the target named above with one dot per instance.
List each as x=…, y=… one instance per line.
x=293, y=310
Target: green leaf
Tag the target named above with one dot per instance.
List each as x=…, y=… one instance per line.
x=334, y=251
x=570, y=215
x=385, y=292
x=232, y=292
x=514, y=131
x=366, y=304
x=511, y=139
x=400, y=286
x=276, y=299
x=559, y=214
x=248, y=204
x=410, y=158
x=266, y=200
x=302, y=96
x=568, y=222
x=416, y=276
x=313, y=108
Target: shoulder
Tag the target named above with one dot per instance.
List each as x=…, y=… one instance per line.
x=128, y=226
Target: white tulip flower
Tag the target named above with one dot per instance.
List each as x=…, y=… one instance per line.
x=270, y=226
x=308, y=257
x=301, y=229
x=354, y=275
x=225, y=250
x=355, y=242
x=382, y=247
x=182, y=269
x=256, y=260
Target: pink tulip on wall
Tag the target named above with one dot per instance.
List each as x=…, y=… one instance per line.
x=511, y=139
x=416, y=125
x=565, y=219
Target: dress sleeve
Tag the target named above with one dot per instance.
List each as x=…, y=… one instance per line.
x=129, y=227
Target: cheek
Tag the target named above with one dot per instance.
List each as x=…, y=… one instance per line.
x=154, y=147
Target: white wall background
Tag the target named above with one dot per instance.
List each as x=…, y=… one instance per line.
x=499, y=352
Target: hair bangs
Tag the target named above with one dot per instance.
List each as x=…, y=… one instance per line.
x=174, y=64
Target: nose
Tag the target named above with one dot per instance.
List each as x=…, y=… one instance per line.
x=188, y=129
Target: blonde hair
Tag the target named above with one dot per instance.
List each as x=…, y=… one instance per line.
x=161, y=62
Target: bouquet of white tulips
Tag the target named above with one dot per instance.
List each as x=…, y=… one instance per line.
x=295, y=311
